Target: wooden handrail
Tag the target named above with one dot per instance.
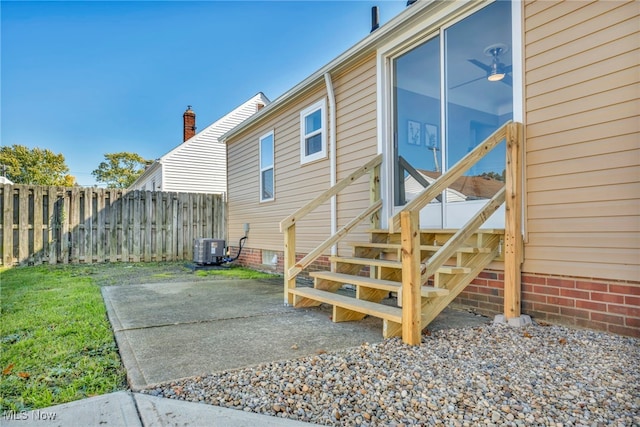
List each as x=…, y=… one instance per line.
x=288, y=225
x=309, y=207
x=313, y=255
x=453, y=244
x=444, y=181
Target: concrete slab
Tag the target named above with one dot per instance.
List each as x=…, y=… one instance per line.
x=176, y=330
x=157, y=411
x=161, y=304
x=115, y=409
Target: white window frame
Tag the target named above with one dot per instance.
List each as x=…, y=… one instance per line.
x=412, y=36
x=272, y=166
x=322, y=154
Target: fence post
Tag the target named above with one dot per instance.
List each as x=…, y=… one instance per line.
x=146, y=246
x=38, y=246
x=161, y=217
x=513, y=246
x=88, y=225
x=411, y=279
x=53, y=226
x=101, y=235
x=7, y=225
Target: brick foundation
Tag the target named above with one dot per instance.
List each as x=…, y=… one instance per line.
x=600, y=304
x=252, y=258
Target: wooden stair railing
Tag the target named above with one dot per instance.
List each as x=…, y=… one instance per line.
x=408, y=222
x=417, y=262
x=288, y=225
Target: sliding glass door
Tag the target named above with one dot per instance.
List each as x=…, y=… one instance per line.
x=449, y=93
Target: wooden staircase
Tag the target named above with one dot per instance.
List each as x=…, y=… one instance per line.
x=424, y=269
x=382, y=256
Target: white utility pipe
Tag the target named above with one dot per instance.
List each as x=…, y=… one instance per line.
x=332, y=155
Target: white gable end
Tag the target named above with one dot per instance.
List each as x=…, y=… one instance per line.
x=199, y=165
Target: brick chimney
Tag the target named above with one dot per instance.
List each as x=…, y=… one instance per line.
x=189, y=123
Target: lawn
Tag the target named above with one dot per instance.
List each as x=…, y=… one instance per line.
x=56, y=343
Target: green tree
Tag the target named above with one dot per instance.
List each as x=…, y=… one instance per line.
x=34, y=166
x=120, y=170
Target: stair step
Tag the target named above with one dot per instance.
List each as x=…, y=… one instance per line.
x=367, y=261
x=381, y=311
x=441, y=231
x=396, y=246
x=385, y=285
x=454, y=270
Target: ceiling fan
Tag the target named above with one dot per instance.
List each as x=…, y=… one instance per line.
x=496, y=71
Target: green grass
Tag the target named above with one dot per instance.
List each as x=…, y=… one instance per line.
x=56, y=343
x=235, y=272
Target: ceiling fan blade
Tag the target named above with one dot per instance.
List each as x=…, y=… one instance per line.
x=467, y=82
x=485, y=67
x=508, y=68
x=507, y=80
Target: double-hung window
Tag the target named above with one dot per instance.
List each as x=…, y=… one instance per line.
x=266, y=168
x=313, y=139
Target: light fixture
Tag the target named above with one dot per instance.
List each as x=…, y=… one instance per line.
x=497, y=72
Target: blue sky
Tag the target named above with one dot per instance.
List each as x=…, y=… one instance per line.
x=88, y=78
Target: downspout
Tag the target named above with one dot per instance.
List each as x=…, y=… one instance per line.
x=332, y=155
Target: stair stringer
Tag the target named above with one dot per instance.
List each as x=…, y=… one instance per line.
x=431, y=307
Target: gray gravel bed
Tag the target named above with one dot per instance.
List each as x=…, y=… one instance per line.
x=489, y=375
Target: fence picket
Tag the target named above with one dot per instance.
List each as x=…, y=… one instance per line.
x=86, y=225
x=7, y=224
x=52, y=228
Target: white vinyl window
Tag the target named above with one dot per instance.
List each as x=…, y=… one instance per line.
x=313, y=139
x=266, y=168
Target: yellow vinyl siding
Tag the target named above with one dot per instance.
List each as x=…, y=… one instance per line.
x=582, y=138
x=357, y=142
x=294, y=184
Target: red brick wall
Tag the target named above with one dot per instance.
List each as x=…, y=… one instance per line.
x=584, y=302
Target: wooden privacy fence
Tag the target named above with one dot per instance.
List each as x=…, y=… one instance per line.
x=41, y=224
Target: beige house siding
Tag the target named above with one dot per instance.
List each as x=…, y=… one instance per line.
x=355, y=92
x=294, y=184
x=582, y=139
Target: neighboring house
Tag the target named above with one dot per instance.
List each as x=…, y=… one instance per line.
x=199, y=164
x=5, y=180
x=426, y=88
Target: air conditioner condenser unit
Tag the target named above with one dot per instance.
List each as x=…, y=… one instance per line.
x=208, y=251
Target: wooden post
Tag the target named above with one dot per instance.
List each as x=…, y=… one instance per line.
x=513, y=223
x=7, y=224
x=23, y=225
x=289, y=262
x=53, y=230
x=411, y=295
x=102, y=235
x=161, y=218
x=64, y=214
x=115, y=203
x=87, y=242
x=38, y=246
x=374, y=196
